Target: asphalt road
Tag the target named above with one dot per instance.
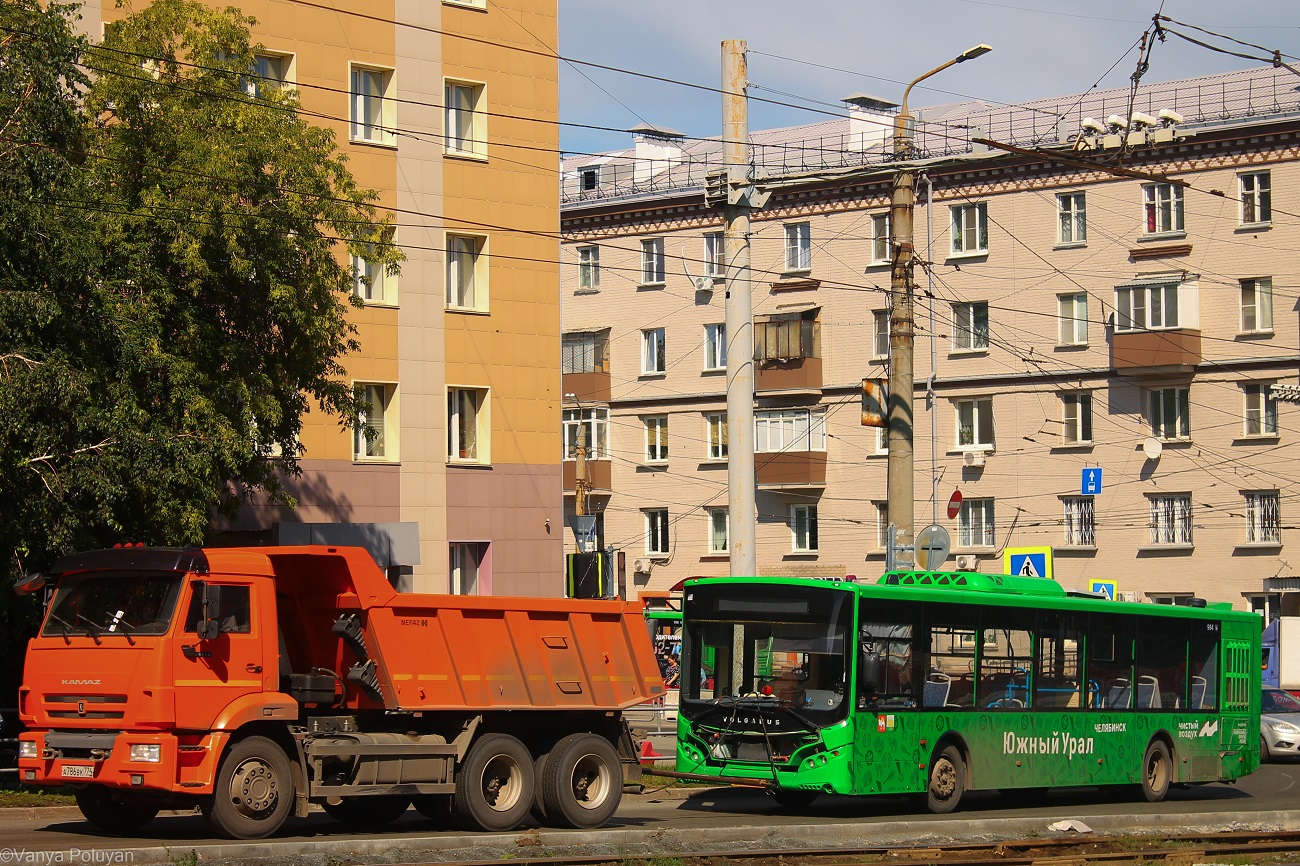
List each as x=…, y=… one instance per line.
x=673, y=819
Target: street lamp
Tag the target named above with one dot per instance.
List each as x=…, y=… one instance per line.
x=902, y=337
x=580, y=456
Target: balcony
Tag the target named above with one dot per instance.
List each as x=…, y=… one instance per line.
x=587, y=387
x=598, y=475
x=791, y=469
x=792, y=374
x=1155, y=353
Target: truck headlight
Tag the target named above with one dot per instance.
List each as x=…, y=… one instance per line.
x=1283, y=728
x=27, y=749
x=150, y=753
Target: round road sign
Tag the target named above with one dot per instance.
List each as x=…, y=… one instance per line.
x=932, y=547
x=954, y=504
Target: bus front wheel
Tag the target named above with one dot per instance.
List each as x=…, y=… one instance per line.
x=1157, y=772
x=947, y=781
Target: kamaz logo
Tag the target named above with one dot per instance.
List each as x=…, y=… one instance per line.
x=81, y=682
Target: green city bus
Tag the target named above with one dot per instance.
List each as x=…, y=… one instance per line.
x=936, y=683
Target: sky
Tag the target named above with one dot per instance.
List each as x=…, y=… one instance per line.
x=824, y=50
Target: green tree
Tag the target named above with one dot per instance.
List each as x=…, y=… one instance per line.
x=173, y=297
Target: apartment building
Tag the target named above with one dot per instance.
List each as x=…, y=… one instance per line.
x=450, y=110
x=1070, y=317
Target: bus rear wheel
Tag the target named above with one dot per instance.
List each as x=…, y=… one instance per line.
x=1157, y=772
x=947, y=781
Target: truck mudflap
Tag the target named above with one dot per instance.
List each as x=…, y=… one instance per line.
x=630, y=758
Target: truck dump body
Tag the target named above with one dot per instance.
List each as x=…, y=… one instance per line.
x=440, y=652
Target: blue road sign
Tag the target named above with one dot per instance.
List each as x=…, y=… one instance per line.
x=1091, y=481
x=1104, y=587
x=1029, y=564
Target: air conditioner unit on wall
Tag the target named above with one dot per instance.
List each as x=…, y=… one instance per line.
x=1128, y=596
x=967, y=562
x=641, y=566
x=972, y=458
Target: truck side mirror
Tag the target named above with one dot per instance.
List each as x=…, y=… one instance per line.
x=208, y=626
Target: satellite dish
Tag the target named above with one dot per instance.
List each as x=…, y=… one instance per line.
x=1152, y=448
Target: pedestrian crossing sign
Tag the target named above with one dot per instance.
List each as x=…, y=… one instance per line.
x=1028, y=561
x=1102, y=587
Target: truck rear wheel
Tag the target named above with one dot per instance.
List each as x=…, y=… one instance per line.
x=116, y=815
x=494, y=789
x=582, y=782
x=364, y=813
x=254, y=791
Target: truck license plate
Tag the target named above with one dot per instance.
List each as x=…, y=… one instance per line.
x=78, y=771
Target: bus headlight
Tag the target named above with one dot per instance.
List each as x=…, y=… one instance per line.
x=149, y=753
x=27, y=749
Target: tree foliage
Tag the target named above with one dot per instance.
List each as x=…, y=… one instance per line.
x=173, y=293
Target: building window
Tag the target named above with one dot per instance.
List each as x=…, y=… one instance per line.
x=463, y=561
x=1256, y=198
x=1142, y=308
x=1072, y=319
x=656, y=439
x=370, y=281
x=585, y=352
x=1263, y=520
x=588, y=268
x=719, y=540
x=970, y=228
x=1267, y=604
x=1171, y=519
x=269, y=73
x=715, y=262
x=1261, y=410
x=596, y=422
x=974, y=423
x=1080, y=521
x=466, y=118
x=589, y=178
x=970, y=327
x=789, y=430
x=716, y=435
x=882, y=250
x=1076, y=418
x=882, y=525
x=1163, y=203
x=1170, y=413
x=975, y=523
x=803, y=528
x=652, y=261
x=798, y=246
x=787, y=336
x=467, y=426
x=656, y=531
x=374, y=434
x=466, y=273
x=881, y=440
x=880, y=334
x=715, y=347
x=373, y=108
x=1257, y=306
x=1072, y=223
x=654, y=359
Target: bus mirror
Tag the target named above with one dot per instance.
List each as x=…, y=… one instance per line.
x=208, y=626
x=29, y=583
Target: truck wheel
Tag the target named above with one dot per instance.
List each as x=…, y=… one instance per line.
x=254, y=791
x=364, y=813
x=582, y=782
x=947, y=781
x=116, y=815
x=1157, y=772
x=494, y=788
x=539, y=773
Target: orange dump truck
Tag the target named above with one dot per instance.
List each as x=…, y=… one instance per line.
x=253, y=682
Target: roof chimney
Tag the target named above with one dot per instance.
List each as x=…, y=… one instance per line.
x=871, y=120
x=658, y=149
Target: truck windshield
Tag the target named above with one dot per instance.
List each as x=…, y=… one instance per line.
x=113, y=603
x=782, y=646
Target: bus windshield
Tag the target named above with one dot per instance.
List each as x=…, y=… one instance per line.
x=113, y=604
x=786, y=646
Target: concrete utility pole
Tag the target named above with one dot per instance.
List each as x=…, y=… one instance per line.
x=580, y=456
x=902, y=335
x=741, y=498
